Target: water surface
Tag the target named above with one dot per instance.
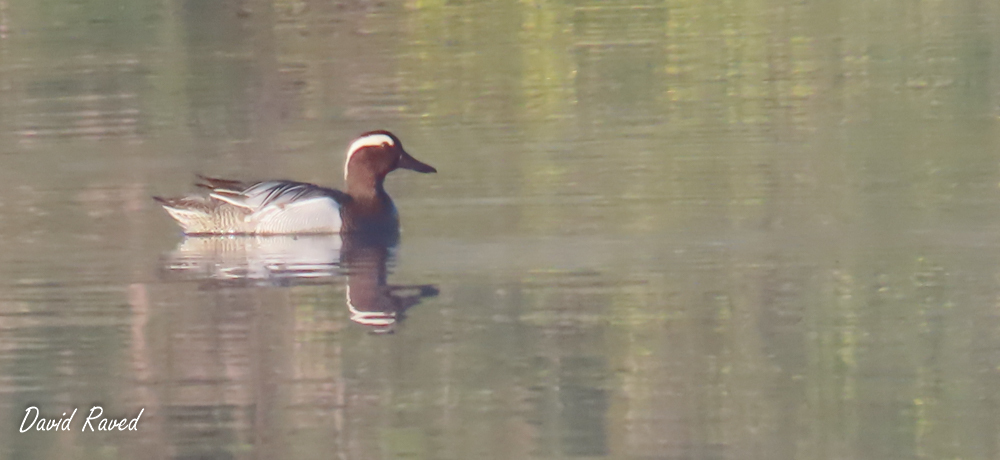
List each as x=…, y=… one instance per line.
x=661, y=229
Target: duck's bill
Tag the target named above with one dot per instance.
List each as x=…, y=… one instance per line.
x=408, y=162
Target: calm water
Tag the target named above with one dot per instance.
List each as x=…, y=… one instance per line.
x=660, y=230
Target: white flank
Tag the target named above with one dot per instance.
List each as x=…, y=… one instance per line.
x=371, y=140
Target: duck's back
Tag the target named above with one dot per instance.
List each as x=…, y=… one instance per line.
x=263, y=208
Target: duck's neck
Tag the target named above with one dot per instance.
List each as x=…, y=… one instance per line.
x=370, y=208
x=366, y=186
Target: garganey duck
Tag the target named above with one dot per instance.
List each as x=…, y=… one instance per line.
x=281, y=207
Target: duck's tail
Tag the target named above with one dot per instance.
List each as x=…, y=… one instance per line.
x=195, y=214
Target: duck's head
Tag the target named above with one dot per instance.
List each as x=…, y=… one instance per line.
x=377, y=153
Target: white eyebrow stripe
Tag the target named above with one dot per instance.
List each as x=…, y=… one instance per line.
x=371, y=140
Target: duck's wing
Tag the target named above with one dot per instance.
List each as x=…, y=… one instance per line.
x=263, y=197
x=213, y=183
x=272, y=207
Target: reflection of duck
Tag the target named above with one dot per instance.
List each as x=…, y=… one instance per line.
x=232, y=261
x=240, y=261
x=280, y=207
x=373, y=302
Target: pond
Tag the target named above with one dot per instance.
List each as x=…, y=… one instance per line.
x=659, y=230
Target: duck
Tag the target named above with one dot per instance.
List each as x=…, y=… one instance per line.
x=284, y=207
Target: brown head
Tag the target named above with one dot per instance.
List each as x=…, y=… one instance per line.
x=373, y=155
